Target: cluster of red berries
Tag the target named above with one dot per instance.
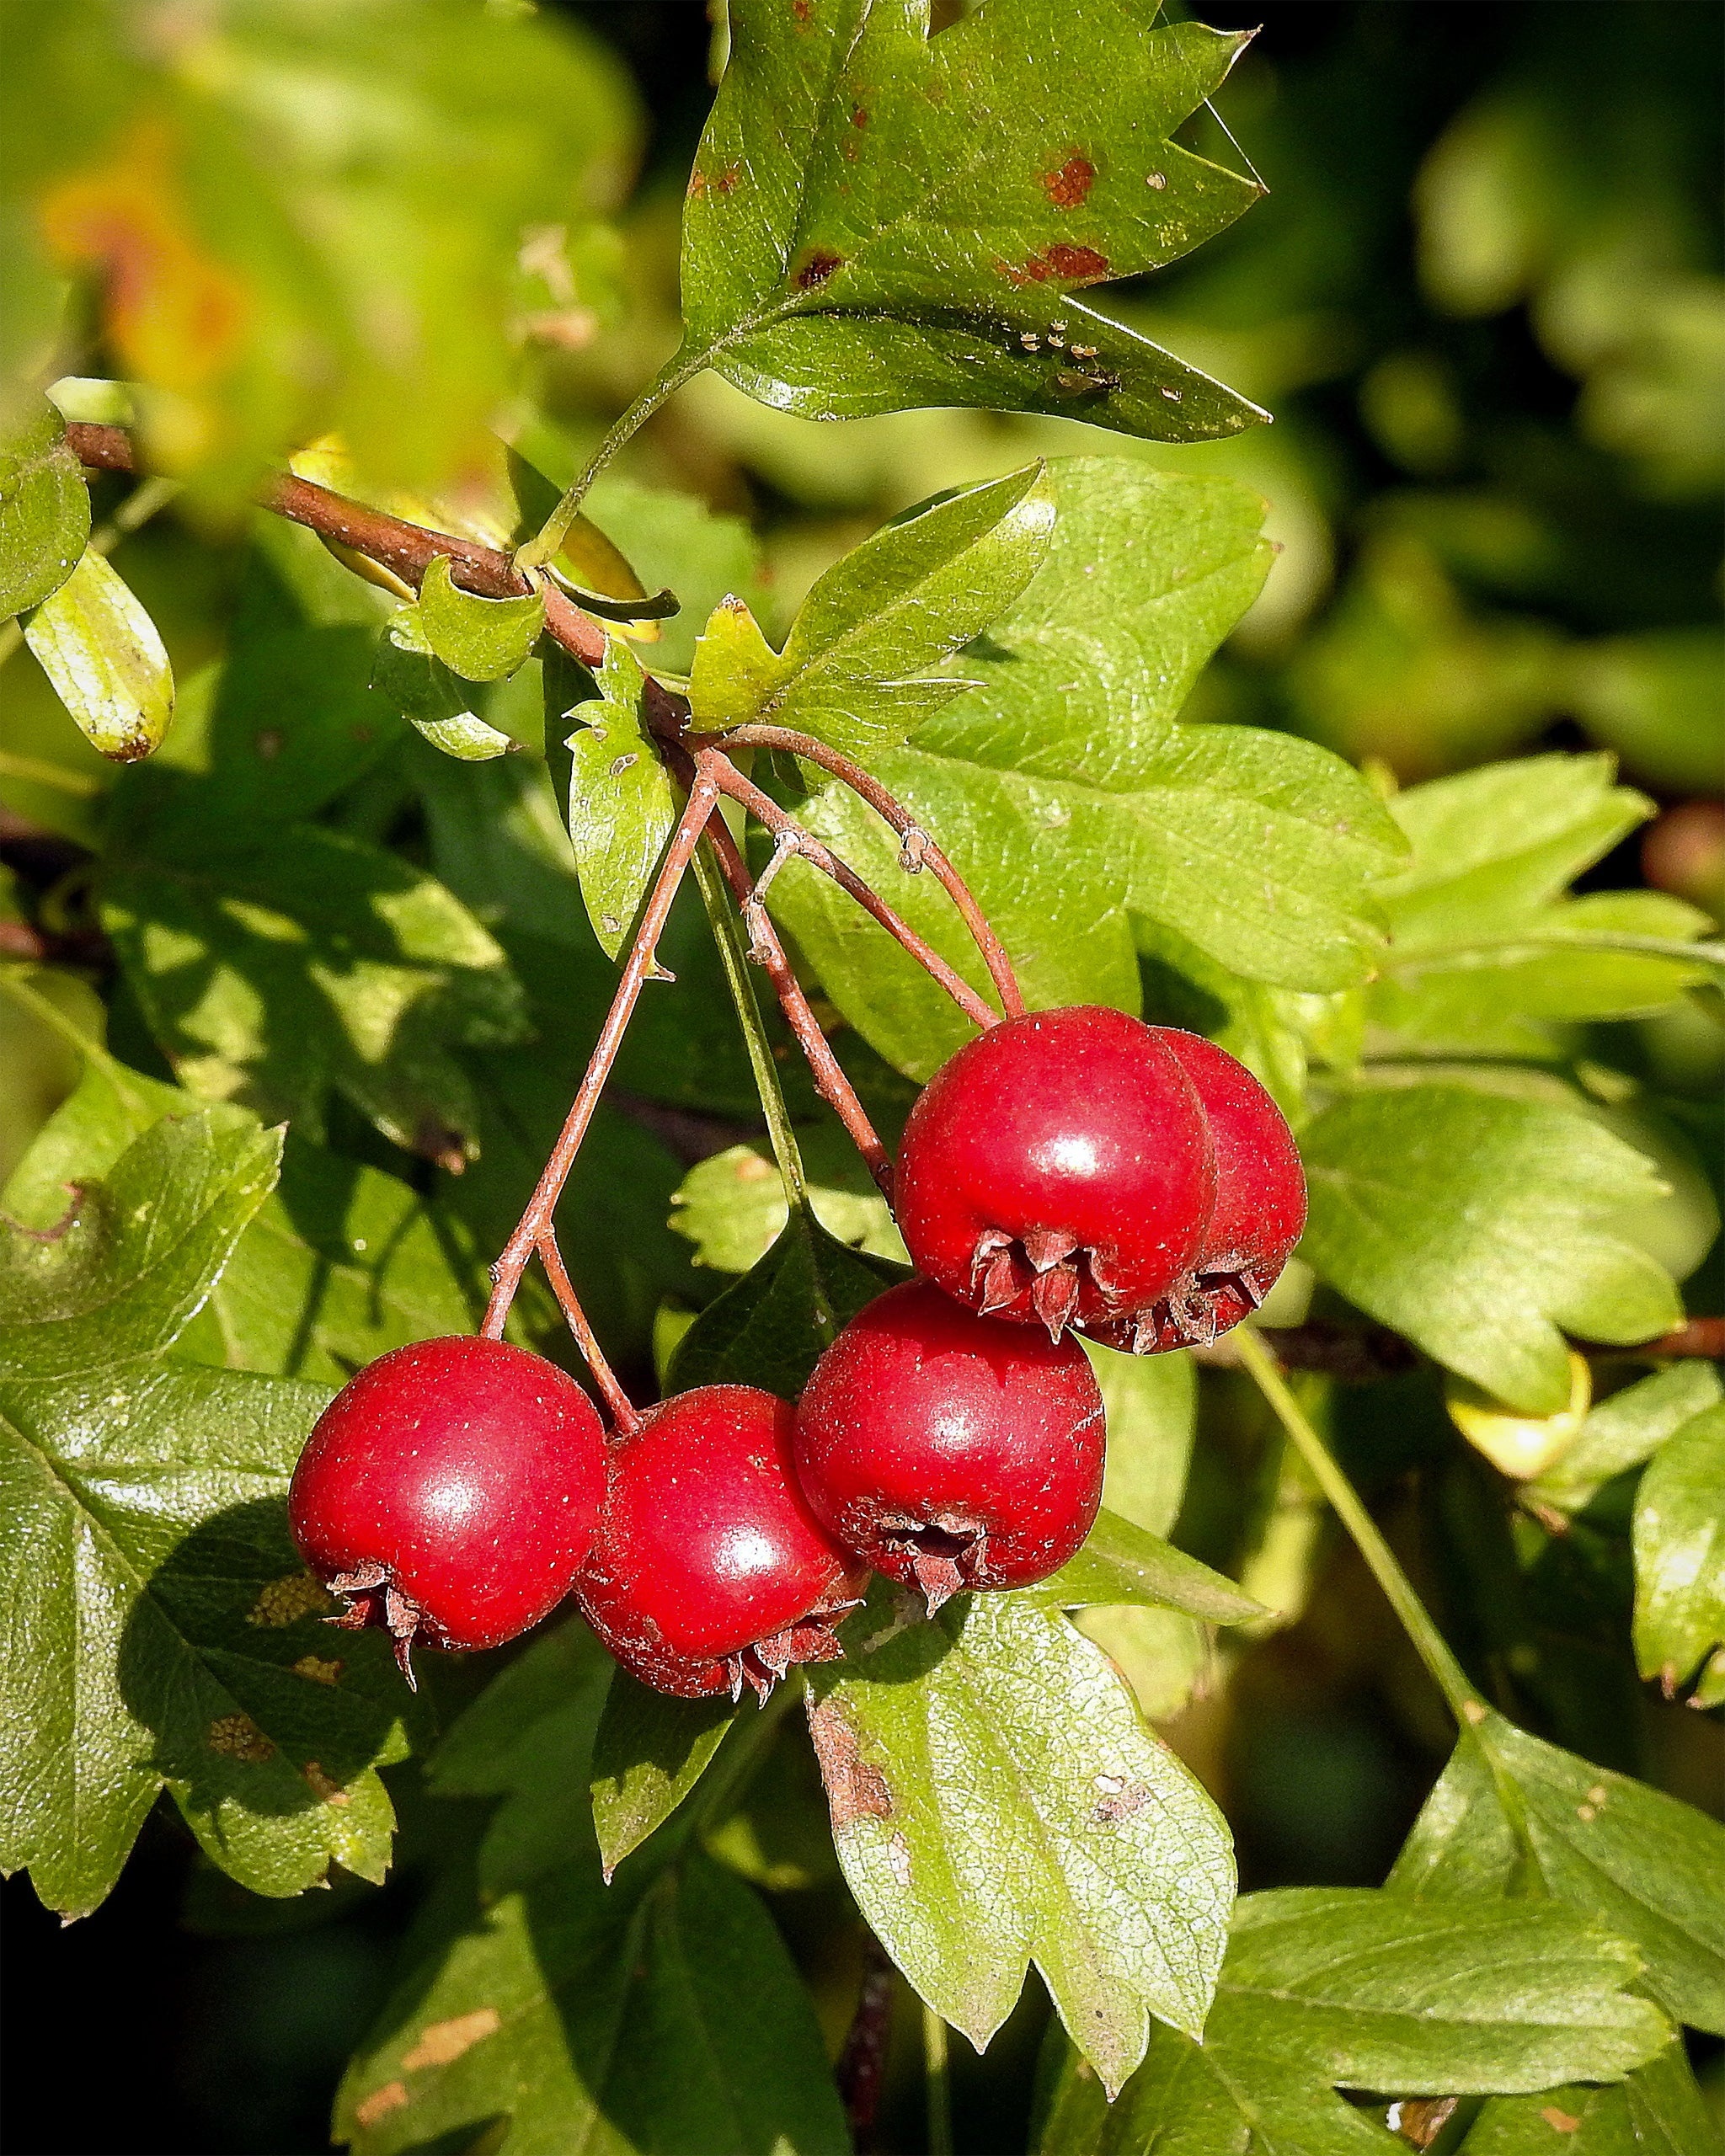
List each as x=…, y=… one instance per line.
x=1074, y=1169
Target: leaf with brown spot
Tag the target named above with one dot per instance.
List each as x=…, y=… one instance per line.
x=142, y=1528
x=878, y=219
x=962, y=1757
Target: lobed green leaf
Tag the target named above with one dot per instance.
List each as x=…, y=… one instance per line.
x=622, y=806
x=1471, y=1223
x=996, y=1800
x=879, y=218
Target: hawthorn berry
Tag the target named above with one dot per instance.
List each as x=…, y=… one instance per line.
x=1059, y=1169
x=1258, y=1216
x=451, y=1492
x=709, y=1570
x=950, y=1449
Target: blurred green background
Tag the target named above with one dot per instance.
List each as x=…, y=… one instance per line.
x=1484, y=302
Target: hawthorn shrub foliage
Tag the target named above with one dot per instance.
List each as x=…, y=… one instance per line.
x=358, y=898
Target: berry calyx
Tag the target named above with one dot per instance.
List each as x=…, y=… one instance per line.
x=1258, y=1216
x=450, y=1492
x=709, y=1570
x=1057, y=1170
x=952, y=1451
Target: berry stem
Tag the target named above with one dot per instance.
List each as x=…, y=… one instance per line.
x=919, y=849
x=622, y=1408
x=767, y=811
x=829, y=1080
x=1465, y=1703
x=724, y=922
x=534, y=1223
x=935, y=2087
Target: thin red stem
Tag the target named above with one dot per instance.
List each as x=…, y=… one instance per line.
x=766, y=811
x=919, y=849
x=622, y=1408
x=535, y=1222
x=829, y=1080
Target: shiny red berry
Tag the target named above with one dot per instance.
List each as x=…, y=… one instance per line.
x=710, y=1569
x=1259, y=1213
x=1058, y=1170
x=949, y=1449
x=450, y=1492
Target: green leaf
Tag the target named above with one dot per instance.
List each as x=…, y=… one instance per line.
x=1680, y=1562
x=423, y=690
x=856, y=671
x=340, y=1263
x=1151, y=1405
x=120, y=1275
x=877, y=218
x=274, y=964
x=733, y=1206
x=770, y=1328
x=1072, y=798
x=1327, y=1988
x=1625, y=1430
x=675, y=540
x=622, y=806
x=1121, y=1563
x=480, y=639
x=527, y=1739
x=1657, y=2111
x=272, y=733
x=1071, y=1838
x=45, y=505
x=1151, y=1402
x=101, y=651
x=1470, y=1223
x=161, y=1630
x=661, y=2014
x=301, y=254
x=1486, y=953
x=1513, y=1814
x=649, y=1752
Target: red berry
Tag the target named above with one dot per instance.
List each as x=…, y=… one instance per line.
x=1259, y=1214
x=949, y=1449
x=451, y=1490
x=709, y=1568
x=1058, y=1169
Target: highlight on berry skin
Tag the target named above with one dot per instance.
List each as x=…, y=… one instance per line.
x=952, y=1452
x=1080, y=1168
x=450, y=1493
x=709, y=1570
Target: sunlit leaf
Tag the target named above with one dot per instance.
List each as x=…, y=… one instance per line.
x=106, y=661
x=856, y=670
x=877, y=218
x=160, y=1627
x=480, y=639
x=1070, y=1837
x=622, y=806
x=1477, y=1226
x=45, y=505
x=1680, y=1562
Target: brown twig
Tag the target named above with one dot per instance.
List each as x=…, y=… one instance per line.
x=918, y=849
x=1699, y=1338
x=534, y=1225
x=408, y=550
x=767, y=811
